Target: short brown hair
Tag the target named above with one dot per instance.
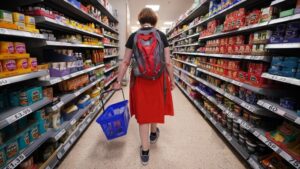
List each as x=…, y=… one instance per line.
x=147, y=15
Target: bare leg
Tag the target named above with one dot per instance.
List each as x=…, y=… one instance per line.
x=153, y=127
x=144, y=134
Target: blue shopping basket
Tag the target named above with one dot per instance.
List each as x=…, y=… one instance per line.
x=115, y=118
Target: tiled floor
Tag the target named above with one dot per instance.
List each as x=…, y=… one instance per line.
x=186, y=142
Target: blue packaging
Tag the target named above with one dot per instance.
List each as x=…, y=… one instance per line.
x=23, y=123
x=23, y=139
x=298, y=113
x=287, y=73
x=288, y=103
x=14, y=98
x=292, y=32
x=11, y=149
x=42, y=127
x=34, y=132
x=297, y=75
x=40, y=115
x=30, y=96
x=291, y=59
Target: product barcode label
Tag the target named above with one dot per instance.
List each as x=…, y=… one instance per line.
x=3, y=31
x=16, y=161
x=272, y=145
x=253, y=163
x=89, y=119
x=3, y=82
x=19, y=115
x=73, y=139
x=295, y=163
x=60, y=134
x=59, y=155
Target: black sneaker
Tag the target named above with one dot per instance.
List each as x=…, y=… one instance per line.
x=144, y=156
x=154, y=136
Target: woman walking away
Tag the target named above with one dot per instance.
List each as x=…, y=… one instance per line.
x=151, y=79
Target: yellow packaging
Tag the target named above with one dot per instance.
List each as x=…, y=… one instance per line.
x=18, y=17
x=9, y=65
x=33, y=64
x=20, y=25
x=22, y=64
x=29, y=20
x=20, y=47
x=6, y=47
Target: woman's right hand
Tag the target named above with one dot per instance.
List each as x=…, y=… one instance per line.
x=117, y=85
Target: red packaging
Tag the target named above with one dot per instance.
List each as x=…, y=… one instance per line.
x=257, y=68
x=223, y=49
x=251, y=38
x=253, y=17
x=256, y=80
x=232, y=40
x=242, y=49
x=243, y=76
x=230, y=49
x=240, y=40
x=248, y=49
x=236, y=49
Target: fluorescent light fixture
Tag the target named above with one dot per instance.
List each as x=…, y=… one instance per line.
x=155, y=8
x=168, y=23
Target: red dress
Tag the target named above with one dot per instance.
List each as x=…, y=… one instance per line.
x=147, y=100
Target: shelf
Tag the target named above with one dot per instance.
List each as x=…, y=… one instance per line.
x=24, y=77
x=51, y=23
x=283, y=46
x=65, y=44
x=111, y=56
x=190, y=36
x=108, y=36
x=194, y=44
x=277, y=2
x=250, y=107
x=109, y=45
x=64, y=99
x=233, y=141
x=16, y=113
x=112, y=68
x=28, y=151
x=18, y=33
x=287, y=80
x=60, y=152
x=103, y=10
x=185, y=62
x=276, y=108
x=192, y=87
x=263, y=91
x=245, y=57
x=198, y=11
x=64, y=4
x=108, y=83
x=55, y=80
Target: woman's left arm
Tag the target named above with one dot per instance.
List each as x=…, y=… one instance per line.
x=169, y=66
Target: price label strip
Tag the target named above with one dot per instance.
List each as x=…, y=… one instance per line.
x=3, y=81
x=60, y=104
x=67, y=146
x=19, y=115
x=60, y=134
x=247, y=106
x=89, y=119
x=253, y=163
x=59, y=155
x=48, y=167
x=73, y=139
x=16, y=161
x=73, y=122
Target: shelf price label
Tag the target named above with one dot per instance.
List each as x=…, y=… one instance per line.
x=272, y=145
x=3, y=81
x=60, y=104
x=77, y=93
x=73, y=122
x=295, y=163
x=67, y=146
x=16, y=161
x=59, y=155
x=245, y=125
x=73, y=139
x=3, y=31
x=273, y=108
x=48, y=167
x=247, y=106
x=54, y=81
x=19, y=115
x=89, y=119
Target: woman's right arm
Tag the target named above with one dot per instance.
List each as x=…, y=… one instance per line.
x=123, y=68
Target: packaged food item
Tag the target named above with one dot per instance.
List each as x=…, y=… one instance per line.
x=33, y=64
x=6, y=47
x=23, y=139
x=31, y=96
x=9, y=65
x=29, y=20
x=20, y=47
x=287, y=13
x=6, y=16
x=55, y=120
x=22, y=64
x=2, y=156
x=34, y=132
x=11, y=149
x=18, y=17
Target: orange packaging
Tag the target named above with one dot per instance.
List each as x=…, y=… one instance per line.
x=33, y=64
x=22, y=64
x=6, y=47
x=20, y=47
x=9, y=65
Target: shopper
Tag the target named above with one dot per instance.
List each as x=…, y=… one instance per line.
x=150, y=98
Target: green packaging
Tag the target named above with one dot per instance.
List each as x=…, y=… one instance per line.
x=287, y=13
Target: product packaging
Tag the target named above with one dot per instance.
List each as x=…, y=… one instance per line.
x=11, y=149
x=6, y=47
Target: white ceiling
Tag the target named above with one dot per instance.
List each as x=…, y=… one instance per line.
x=170, y=10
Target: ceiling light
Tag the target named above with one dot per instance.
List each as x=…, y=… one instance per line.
x=168, y=23
x=155, y=8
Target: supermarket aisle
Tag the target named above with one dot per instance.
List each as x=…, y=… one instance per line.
x=186, y=141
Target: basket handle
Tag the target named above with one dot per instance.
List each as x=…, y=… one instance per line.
x=108, y=91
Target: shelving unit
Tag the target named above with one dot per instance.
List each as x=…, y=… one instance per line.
x=265, y=106
x=42, y=77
